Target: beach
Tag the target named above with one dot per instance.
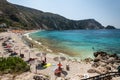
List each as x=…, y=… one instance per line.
x=78, y=68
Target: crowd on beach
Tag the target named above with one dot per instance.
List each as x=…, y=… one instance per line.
x=45, y=66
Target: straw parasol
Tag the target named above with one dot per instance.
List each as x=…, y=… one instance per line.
x=21, y=48
x=39, y=55
x=60, y=58
x=15, y=48
x=31, y=50
x=32, y=62
x=26, y=51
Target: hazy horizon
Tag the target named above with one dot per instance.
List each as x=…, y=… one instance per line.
x=104, y=11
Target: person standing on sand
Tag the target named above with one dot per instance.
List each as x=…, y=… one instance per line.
x=67, y=67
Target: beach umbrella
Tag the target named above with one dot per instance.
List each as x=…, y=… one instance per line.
x=38, y=61
x=24, y=46
x=59, y=58
x=20, y=49
x=39, y=54
x=15, y=48
x=26, y=51
x=44, y=54
x=32, y=62
x=30, y=52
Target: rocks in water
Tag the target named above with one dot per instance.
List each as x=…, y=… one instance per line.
x=96, y=54
x=114, y=55
x=100, y=53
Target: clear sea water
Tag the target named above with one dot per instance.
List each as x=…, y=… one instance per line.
x=80, y=43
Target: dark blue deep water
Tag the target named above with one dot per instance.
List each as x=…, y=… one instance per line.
x=81, y=42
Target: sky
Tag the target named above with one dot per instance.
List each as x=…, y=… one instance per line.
x=107, y=12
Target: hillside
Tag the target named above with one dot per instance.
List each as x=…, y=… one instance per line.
x=28, y=18
x=110, y=27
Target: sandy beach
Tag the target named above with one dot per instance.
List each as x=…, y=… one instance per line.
x=78, y=69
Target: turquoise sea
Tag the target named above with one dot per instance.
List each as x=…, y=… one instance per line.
x=80, y=43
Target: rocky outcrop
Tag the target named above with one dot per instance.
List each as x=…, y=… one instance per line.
x=104, y=57
x=104, y=62
x=110, y=27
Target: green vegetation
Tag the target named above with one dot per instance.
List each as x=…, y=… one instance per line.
x=27, y=18
x=13, y=65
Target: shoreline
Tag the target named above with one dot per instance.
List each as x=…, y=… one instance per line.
x=49, y=51
x=52, y=51
x=34, y=42
x=77, y=68
x=55, y=51
x=68, y=51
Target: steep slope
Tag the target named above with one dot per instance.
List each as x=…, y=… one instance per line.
x=28, y=18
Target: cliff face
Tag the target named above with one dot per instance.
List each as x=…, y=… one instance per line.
x=28, y=18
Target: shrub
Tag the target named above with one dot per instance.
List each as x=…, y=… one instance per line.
x=13, y=65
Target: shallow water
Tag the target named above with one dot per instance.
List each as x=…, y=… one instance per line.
x=80, y=43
